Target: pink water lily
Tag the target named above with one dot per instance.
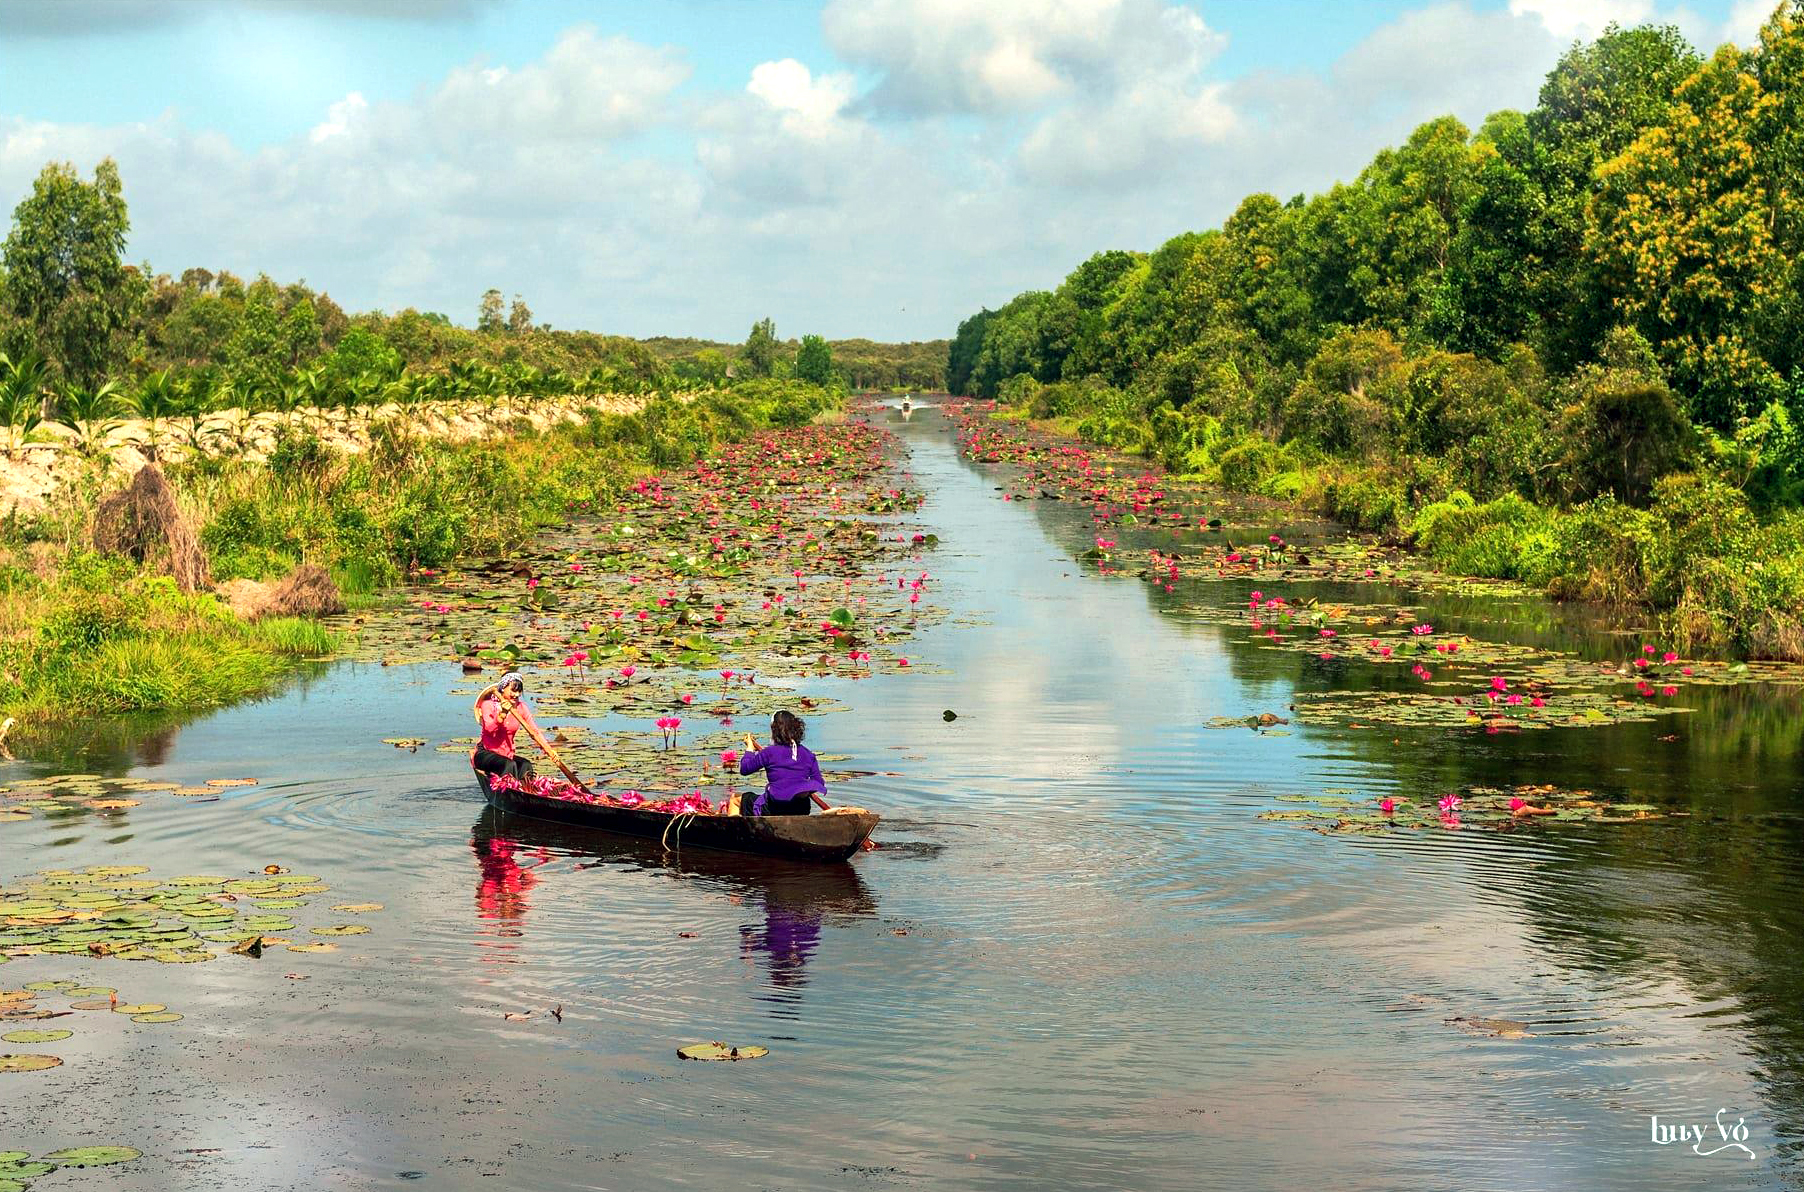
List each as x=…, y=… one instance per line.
x=1449, y=804
x=1387, y=805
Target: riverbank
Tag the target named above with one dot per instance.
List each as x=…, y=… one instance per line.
x=83, y=633
x=1696, y=564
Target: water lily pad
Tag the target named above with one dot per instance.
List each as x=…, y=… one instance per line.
x=231, y=782
x=346, y=929
x=93, y=1156
x=51, y=986
x=358, y=908
x=721, y=1051
x=136, y=1008
x=35, y=1036
x=159, y=1016
x=28, y=1063
x=91, y=991
x=24, y=1169
x=308, y=947
x=95, y=1004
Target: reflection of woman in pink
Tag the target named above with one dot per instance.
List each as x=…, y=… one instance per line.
x=501, y=894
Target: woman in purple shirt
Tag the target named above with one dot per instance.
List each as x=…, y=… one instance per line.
x=792, y=776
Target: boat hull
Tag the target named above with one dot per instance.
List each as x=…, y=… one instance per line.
x=797, y=837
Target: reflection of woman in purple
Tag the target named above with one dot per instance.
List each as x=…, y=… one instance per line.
x=789, y=938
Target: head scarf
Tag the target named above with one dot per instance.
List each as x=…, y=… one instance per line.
x=511, y=677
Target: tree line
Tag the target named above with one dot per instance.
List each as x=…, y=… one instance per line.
x=86, y=336
x=1597, y=300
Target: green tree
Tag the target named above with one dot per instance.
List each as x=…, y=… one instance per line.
x=1779, y=65
x=491, y=318
x=1682, y=228
x=300, y=333
x=814, y=362
x=963, y=351
x=519, y=317
x=760, y=351
x=66, y=280
x=1595, y=103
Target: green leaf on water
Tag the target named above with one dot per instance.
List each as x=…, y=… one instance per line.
x=159, y=1016
x=27, y=1063
x=23, y=1169
x=93, y=1156
x=721, y=1051
x=35, y=1036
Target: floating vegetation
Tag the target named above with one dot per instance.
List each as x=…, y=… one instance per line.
x=721, y=1051
x=695, y=599
x=1517, y=809
x=92, y=1156
x=28, y=1063
x=1451, y=674
x=67, y=796
x=113, y=911
x=51, y=1036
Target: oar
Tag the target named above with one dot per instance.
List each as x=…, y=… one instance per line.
x=867, y=844
x=539, y=739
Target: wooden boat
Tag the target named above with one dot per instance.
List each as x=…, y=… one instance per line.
x=797, y=837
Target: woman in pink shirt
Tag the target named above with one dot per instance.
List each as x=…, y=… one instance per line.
x=501, y=710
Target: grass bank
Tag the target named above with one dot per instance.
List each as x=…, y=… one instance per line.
x=84, y=634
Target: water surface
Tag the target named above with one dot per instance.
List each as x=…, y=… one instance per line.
x=1080, y=961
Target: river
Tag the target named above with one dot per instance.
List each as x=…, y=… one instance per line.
x=1080, y=959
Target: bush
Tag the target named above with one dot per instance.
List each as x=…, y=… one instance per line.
x=85, y=620
x=299, y=456
x=1509, y=538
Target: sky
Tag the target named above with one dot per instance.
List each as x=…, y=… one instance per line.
x=876, y=168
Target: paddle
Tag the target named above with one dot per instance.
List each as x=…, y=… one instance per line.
x=867, y=844
x=532, y=731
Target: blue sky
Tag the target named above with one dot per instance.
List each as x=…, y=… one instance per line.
x=874, y=167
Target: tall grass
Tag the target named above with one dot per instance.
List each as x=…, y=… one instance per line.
x=82, y=634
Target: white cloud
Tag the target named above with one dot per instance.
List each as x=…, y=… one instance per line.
x=1002, y=56
x=339, y=117
x=811, y=105
x=1745, y=19
x=1568, y=19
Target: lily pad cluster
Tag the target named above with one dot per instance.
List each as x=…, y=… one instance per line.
x=1523, y=808
x=68, y=795
x=19, y=1168
x=119, y=912
x=694, y=599
x=1420, y=677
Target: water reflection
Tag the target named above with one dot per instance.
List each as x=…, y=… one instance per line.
x=788, y=903
x=505, y=878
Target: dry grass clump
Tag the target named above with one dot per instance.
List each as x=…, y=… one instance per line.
x=143, y=522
